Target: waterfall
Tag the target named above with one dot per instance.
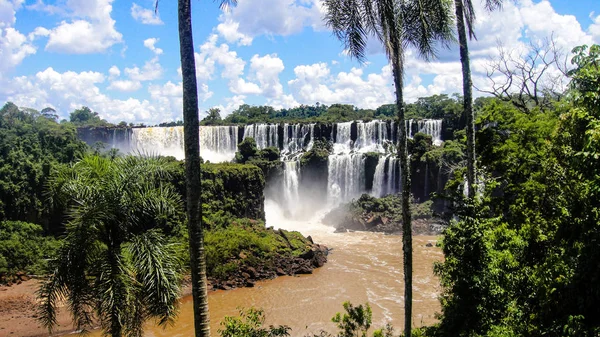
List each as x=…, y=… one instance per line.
x=346, y=177
x=265, y=135
x=393, y=176
x=218, y=143
x=379, y=179
x=291, y=181
x=158, y=141
x=294, y=137
x=114, y=139
x=371, y=136
x=432, y=127
x=343, y=140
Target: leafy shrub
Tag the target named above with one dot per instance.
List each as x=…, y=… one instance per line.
x=24, y=248
x=250, y=324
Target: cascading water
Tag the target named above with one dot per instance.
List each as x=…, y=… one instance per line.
x=371, y=136
x=291, y=182
x=265, y=135
x=379, y=179
x=295, y=136
x=393, y=176
x=432, y=127
x=158, y=141
x=346, y=177
x=343, y=140
x=218, y=143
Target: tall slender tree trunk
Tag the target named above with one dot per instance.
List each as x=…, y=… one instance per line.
x=467, y=96
x=406, y=216
x=192, y=171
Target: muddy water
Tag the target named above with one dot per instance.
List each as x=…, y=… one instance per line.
x=362, y=267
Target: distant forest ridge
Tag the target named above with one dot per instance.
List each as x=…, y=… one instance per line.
x=443, y=106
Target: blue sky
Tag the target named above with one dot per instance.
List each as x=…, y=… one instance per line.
x=122, y=60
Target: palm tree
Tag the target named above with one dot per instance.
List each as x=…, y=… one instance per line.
x=398, y=25
x=191, y=134
x=115, y=265
x=465, y=19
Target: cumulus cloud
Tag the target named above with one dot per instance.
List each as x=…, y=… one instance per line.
x=283, y=17
x=70, y=90
x=313, y=83
x=114, y=72
x=8, y=10
x=594, y=28
x=229, y=30
x=145, y=15
x=125, y=85
x=150, y=44
x=14, y=47
x=91, y=31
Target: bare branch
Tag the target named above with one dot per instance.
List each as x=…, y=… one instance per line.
x=534, y=78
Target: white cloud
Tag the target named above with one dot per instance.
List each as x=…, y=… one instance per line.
x=70, y=90
x=125, y=85
x=266, y=70
x=313, y=83
x=114, y=72
x=230, y=32
x=281, y=17
x=594, y=28
x=150, y=44
x=144, y=15
x=232, y=103
x=8, y=10
x=241, y=86
x=93, y=32
x=152, y=70
x=14, y=47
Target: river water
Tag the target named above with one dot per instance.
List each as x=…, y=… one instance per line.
x=362, y=267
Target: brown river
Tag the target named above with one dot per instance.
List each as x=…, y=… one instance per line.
x=362, y=267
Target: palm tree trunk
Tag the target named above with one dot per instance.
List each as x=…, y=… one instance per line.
x=192, y=171
x=467, y=96
x=406, y=216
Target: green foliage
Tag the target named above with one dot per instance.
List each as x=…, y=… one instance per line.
x=355, y=322
x=524, y=259
x=318, y=155
x=31, y=145
x=24, y=248
x=85, y=117
x=115, y=265
x=251, y=239
x=250, y=324
x=235, y=189
x=213, y=117
x=247, y=149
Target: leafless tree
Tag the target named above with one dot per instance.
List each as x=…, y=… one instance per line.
x=533, y=78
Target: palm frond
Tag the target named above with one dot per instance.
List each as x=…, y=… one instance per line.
x=427, y=24
x=346, y=19
x=225, y=5
x=157, y=273
x=492, y=5
x=469, y=15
